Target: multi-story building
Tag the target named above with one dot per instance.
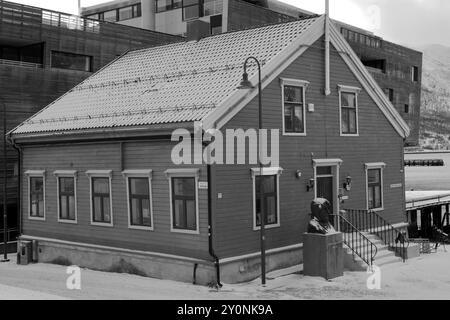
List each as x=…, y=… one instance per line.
x=397, y=69
x=43, y=54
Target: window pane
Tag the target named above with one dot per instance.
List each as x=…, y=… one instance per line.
x=189, y=2
x=64, y=213
x=271, y=214
x=72, y=208
x=293, y=94
x=344, y=121
x=71, y=61
x=125, y=13
x=298, y=119
x=139, y=186
x=268, y=184
x=288, y=125
x=321, y=171
x=106, y=210
x=97, y=209
x=352, y=121
x=37, y=185
x=348, y=100
x=180, y=217
x=370, y=198
x=374, y=176
x=110, y=16
x=377, y=199
x=190, y=215
x=67, y=185
x=191, y=12
x=184, y=186
x=135, y=213
x=101, y=185
x=146, y=213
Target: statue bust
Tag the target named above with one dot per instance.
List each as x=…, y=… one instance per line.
x=320, y=217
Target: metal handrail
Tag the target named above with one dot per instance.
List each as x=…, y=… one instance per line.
x=372, y=222
x=357, y=242
x=12, y=234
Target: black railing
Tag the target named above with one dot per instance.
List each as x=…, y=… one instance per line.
x=371, y=222
x=357, y=242
x=11, y=235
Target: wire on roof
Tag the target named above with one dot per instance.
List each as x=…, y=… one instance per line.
x=125, y=113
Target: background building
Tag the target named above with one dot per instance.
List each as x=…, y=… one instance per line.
x=43, y=54
x=397, y=69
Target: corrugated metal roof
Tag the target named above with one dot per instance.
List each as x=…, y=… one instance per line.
x=179, y=82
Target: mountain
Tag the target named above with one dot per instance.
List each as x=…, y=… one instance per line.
x=435, y=112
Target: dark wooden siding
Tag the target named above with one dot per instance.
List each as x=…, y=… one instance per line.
x=378, y=142
x=106, y=156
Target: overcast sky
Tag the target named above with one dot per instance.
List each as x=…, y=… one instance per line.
x=410, y=22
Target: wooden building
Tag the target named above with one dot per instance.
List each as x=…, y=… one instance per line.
x=43, y=54
x=101, y=189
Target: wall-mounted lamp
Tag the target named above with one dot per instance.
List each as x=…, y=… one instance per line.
x=310, y=185
x=348, y=183
x=298, y=174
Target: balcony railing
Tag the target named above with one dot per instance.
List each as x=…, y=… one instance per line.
x=21, y=64
x=14, y=13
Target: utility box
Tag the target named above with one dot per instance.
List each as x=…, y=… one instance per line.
x=24, y=252
x=323, y=255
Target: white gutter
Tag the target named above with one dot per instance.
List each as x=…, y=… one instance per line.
x=327, y=48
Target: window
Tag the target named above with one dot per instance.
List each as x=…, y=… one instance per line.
x=71, y=61
x=271, y=201
x=294, y=114
x=137, y=10
x=140, y=210
x=184, y=200
x=101, y=200
x=374, y=173
x=36, y=192
x=191, y=9
x=125, y=13
x=67, y=199
x=406, y=108
x=415, y=74
x=110, y=16
x=212, y=7
x=216, y=24
x=348, y=99
x=165, y=5
x=391, y=95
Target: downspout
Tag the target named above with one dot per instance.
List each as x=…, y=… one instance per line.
x=210, y=229
x=327, y=48
x=19, y=181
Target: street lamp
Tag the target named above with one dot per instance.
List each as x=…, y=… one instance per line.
x=5, y=177
x=246, y=84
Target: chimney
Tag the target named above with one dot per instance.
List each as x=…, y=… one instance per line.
x=197, y=29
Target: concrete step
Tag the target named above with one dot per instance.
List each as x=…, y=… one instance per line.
x=386, y=260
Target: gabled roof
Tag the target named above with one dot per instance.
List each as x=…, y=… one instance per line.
x=192, y=81
x=178, y=82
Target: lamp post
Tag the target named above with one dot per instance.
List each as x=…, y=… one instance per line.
x=5, y=212
x=246, y=84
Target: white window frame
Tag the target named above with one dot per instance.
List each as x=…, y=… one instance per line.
x=355, y=91
x=127, y=174
x=184, y=173
x=66, y=174
x=294, y=83
x=36, y=174
x=335, y=164
x=100, y=174
x=256, y=172
x=375, y=166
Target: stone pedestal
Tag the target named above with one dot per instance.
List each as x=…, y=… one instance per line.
x=413, y=251
x=323, y=255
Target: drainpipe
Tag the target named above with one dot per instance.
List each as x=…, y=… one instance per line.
x=19, y=180
x=210, y=229
x=327, y=48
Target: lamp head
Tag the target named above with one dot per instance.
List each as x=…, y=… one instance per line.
x=245, y=83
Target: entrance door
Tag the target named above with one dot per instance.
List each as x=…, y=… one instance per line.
x=325, y=189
